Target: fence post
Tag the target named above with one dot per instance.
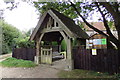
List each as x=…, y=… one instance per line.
x=51, y=55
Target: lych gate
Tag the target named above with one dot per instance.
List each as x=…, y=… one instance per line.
x=55, y=27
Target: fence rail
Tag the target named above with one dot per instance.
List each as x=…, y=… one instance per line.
x=24, y=53
x=106, y=60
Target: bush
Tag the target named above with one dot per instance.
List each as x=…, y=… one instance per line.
x=25, y=43
x=5, y=48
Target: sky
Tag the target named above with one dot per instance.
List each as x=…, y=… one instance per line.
x=24, y=17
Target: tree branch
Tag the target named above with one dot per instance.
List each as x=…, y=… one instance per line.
x=106, y=24
x=115, y=15
x=115, y=41
x=97, y=30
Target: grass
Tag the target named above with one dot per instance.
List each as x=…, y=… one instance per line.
x=13, y=62
x=77, y=73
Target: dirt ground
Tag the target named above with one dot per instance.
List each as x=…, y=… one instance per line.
x=41, y=71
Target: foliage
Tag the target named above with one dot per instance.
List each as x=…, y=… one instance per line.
x=5, y=48
x=63, y=45
x=12, y=37
x=9, y=33
x=77, y=73
x=111, y=25
x=117, y=76
x=13, y=62
x=25, y=43
x=54, y=43
x=61, y=6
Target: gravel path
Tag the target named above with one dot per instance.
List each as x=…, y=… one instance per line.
x=41, y=71
x=3, y=57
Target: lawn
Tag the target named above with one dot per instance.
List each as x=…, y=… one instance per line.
x=13, y=62
x=77, y=73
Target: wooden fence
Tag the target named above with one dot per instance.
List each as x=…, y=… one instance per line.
x=24, y=53
x=104, y=61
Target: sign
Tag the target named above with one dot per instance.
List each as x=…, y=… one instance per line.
x=91, y=41
x=97, y=41
x=104, y=41
x=90, y=45
x=87, y=44
x=94, y=52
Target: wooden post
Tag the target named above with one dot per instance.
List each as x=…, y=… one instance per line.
x=54, y=23
x=41, y=54
x=51, y=55
x=37, y=52
x=69, y=60
x=59, y=46
x=69, y=55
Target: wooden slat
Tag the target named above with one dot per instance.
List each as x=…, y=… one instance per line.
x=24, y=53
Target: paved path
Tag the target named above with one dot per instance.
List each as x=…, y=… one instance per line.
x=3, y=57
x=59, y=64
x=41, y=71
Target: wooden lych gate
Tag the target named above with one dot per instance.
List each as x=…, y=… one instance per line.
x=46, y=55
x=55, y=27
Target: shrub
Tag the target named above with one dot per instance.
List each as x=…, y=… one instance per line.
x=25, y=43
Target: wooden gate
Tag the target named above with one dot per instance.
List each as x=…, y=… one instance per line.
x=46, y=55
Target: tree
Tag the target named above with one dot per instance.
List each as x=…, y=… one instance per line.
x=9, y=36
x=73, y=10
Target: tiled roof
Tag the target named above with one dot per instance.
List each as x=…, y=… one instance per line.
x=98, y=25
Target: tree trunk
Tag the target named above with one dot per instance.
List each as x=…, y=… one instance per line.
x=119, y=57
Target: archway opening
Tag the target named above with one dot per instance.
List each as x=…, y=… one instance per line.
x=55, y=41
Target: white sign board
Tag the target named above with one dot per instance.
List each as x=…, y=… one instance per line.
x=97, y=41
x=87, y=44
x=90, y=41
x=94, y=52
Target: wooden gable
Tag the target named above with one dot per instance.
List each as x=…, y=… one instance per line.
x=52, y=21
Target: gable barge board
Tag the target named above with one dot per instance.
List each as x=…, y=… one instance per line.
x=68, y=32
x=38, y=26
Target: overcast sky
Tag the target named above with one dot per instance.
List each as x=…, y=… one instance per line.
x=23, y=17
